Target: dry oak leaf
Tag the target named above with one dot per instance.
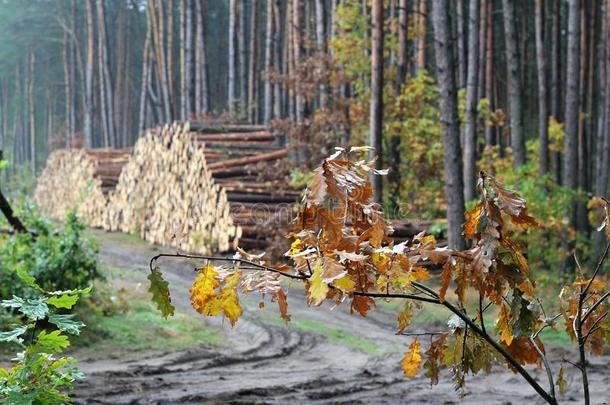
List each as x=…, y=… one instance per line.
x=411, y=361
x=506, y=333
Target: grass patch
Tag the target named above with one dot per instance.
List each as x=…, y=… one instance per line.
x=143, y=328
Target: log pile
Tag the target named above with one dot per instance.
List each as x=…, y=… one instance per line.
x=80, y=180
x=166, y=195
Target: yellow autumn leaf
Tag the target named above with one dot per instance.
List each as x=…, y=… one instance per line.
x=228, y=300
x=317, y=287
x=506, y=333
x=345, y=284
x=411, y=361
x=203, y=291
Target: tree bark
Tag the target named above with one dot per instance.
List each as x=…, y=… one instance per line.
x=243, y=71
x=297, y=21
x=32, y=110
x=403, y=52
x=423, y=37
x=253, y=79
x=543, y=119
x=321, y=41
x=268, y=63
x=144, y=100
x=231, y=53
x=376, y=108
x=603, y=155
x=461, y=44
x=277, y=57
x=201, y=62
x=470, y=132
x=514, y=85
x=88, y=99
x=450, y=126
x=489, y=77
x=572, y=96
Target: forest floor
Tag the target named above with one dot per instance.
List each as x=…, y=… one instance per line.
x=324, y=355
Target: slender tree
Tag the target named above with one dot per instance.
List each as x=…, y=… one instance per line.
x=543, y=119
x=461, y=44
x=231, y=55
x=376, y=109
x=106, y=84
x=88, y=99
x=514, y=85
x=253, y=79
x=470, y=132
x=269, y=63
x=572, y=96
x=403, y=52
x=201, y=61
x=450, y=126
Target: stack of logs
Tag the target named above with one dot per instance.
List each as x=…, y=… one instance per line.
x=77, y=179
x=197, y=187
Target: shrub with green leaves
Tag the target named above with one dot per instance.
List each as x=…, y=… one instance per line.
x=41, y=374
x=58, y=258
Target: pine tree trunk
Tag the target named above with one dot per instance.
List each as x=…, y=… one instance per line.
x=67, y=88
x=231, y=55
x=376, y=109
x=201, y=62
x=403, y=52
x=555, y=95
x=88, y=99
x=603, y=154
x=514, y=85
x=450, y=126
x=321, y=40
x=572, y=95
x=422, y=40
x=482, y=44
x=243, y=71
x=461, y=44
x=586, y=28
x=277, y=58
x=146, y=64
x=470, y=132
x=106, y=83
x=489, y=77
x=268, y=64
x=297, y=21
x=543, y=119
x=183, y=62
x=32, y=111
x=253, y=79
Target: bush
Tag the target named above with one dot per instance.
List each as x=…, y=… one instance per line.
x=58, y=258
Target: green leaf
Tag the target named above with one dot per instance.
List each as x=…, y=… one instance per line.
x=53, y=342
x=159, y=288
x=33, y=308
x=13, y=335
x=4, y=164
x=63, y=301
x=66, y=323
x=27, y=278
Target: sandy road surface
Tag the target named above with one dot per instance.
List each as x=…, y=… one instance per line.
x=265, y=362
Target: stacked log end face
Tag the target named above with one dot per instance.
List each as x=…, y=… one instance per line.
x=166, y=195
x=250, y=165
x=79, y=180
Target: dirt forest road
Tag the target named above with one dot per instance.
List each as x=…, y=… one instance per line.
x=263, y=361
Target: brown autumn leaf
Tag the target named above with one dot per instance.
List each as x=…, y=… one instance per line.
x=316, y=192
x=362, y=304
x=445, y=280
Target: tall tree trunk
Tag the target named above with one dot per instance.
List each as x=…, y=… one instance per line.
x=603, y=155
x=297, y=22
x=201, y=62
x=321, y=40
x=403, y=52
x=376, y=109
x=277, y=57
x=489, y=76
x=268, y=63
x=555, y=95
x=461, y=44
x=32, y=110
x=470, y=132
x=243, y=71
x=183, y=63
x=450, y=125
x=146, y=70
x=514, y=85
x=423, y=36
x=106, y=83
x=156, y=15
x=231, y=54
x=572, y=96
x=543, y=119
x=482, y=44
x=586, y=29
x=88, y=100
x=253, y=79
